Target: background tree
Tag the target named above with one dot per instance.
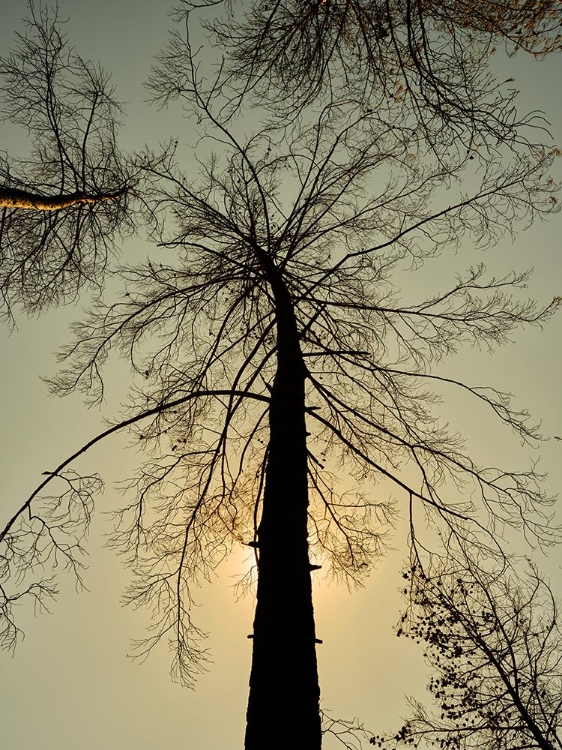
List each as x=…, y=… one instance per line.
x=269, y=313
x=427, y=62
x=63, y=206
x=494, y=647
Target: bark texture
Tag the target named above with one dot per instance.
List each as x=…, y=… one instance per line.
x=14, y=198
x=283, y=707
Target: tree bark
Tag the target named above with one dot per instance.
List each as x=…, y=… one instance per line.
x=283, y=707
x=14, y=198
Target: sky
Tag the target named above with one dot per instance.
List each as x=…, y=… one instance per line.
x=70, y=683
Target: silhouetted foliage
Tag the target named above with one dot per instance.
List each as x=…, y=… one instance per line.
x=494, y=646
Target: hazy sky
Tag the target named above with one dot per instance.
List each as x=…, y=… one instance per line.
x=70, y=684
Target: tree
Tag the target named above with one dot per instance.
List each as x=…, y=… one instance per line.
x=272, y=353
x=494, y=646
x=64, y=205
x=426, y=62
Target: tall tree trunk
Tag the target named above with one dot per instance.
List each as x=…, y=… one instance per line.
x=283, y=707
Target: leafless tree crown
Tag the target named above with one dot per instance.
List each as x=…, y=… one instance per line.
x=63, y=204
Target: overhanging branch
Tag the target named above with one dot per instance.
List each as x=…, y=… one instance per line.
x=14, y=198
x=115, y=428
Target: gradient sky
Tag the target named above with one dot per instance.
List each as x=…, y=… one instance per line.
x=70, y=684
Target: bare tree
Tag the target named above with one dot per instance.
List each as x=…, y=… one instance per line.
x=62, y=205
x=494, y=646
x=427, y=63
x=260, y=337
x=273, y=355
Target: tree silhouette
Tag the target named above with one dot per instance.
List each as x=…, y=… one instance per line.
x=494, y=645
x=65, y=203
x=426, y=62
x=272, y=356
